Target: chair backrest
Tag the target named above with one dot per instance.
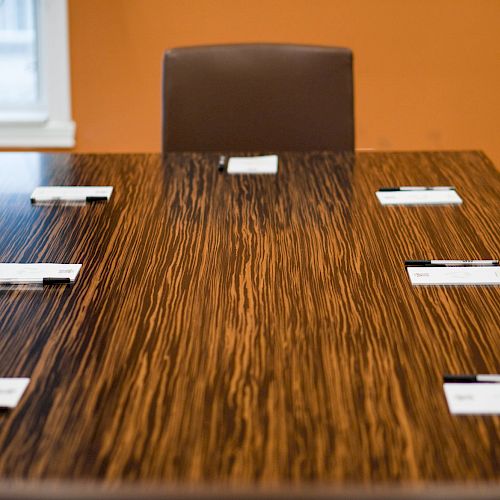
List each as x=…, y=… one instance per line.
x=258, y=97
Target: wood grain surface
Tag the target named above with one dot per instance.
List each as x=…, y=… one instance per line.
x=245, y=331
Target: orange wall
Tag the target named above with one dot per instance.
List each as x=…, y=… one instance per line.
x=427, y=72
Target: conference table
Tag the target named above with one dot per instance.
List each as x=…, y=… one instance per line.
x=243, y=336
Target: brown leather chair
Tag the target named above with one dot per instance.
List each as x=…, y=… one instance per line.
x=258, y=97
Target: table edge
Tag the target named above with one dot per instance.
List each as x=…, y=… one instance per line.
x=56, y=490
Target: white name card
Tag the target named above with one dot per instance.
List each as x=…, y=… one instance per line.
x=11, y=391
x=473, y=399
x=466, y=275
x=438, y=197
x=71, y=193
x=18, y=274
x=253, y=165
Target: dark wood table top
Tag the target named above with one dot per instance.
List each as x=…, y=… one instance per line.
x=247, y=334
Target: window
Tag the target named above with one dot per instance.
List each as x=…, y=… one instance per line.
x=34, y=74
x=18, y=54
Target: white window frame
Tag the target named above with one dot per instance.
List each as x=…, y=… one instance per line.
x=53, y=127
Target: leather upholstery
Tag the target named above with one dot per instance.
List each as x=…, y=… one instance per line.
x=258, y=97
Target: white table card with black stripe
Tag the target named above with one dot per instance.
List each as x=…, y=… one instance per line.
x=46, y=194
x=37, y=273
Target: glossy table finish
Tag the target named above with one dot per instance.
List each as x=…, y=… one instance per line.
x=248, y=333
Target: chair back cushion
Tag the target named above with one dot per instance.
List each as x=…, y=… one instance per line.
x=258, y=97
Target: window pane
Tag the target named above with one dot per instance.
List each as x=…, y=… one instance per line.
x=18, y=53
